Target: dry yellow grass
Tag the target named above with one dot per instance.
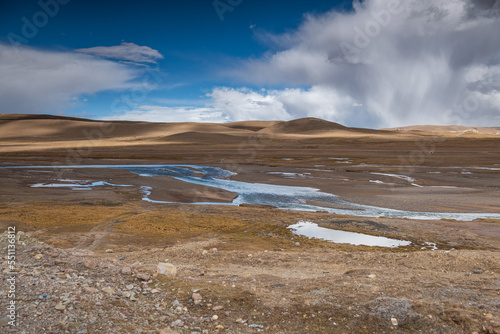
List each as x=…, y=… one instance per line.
x=50, y=215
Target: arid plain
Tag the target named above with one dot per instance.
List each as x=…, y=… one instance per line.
x=252, y=272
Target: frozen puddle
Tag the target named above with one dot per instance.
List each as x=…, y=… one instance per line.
x=282, y=197
x=342, y=160
x=312, y=230
x=409, y=179
x=77, y=184
x=402, y=177
x=291, y=175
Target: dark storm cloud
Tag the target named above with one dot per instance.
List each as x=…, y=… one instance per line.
x=397, y=62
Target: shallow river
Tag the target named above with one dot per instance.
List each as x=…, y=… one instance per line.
x=283, y=197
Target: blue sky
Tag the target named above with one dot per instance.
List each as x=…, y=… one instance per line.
x=375, y=63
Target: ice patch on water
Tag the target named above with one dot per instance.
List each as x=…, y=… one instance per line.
x=77, y=184
x=429, y=245
x=342, y=160
x=312, y=230
x=412, y=180
x=283, y=197
x=402, y=177
x=291, y=175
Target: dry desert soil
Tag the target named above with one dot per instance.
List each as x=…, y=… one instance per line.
x=106, y=261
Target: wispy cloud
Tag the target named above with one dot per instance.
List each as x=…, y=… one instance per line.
x=36, y=81
x=129, y=52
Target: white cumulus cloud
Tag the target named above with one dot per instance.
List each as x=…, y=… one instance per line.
x=231, y=104
x=400, y=62
x=154, y=113
x=35, y=81
x=387, y=63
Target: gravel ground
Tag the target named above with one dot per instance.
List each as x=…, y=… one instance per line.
x=79, y=291
x=73, y=291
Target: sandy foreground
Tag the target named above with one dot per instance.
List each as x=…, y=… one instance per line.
x=104, y=260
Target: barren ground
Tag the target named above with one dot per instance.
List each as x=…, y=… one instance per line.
x=244, y=259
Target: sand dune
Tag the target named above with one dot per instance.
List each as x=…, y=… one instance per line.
x=458, y=130
x=202, y=138
x=304, y=126
x=40, y=116
x=252, y=125
x=46, y=127
x=48, y=131
x=317, y=127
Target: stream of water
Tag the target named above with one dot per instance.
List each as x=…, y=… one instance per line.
x=283, y=197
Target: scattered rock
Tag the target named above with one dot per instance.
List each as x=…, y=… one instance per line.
x=109, y=251
x=477, y=272
x=108, y=290
x=90, y=264
x=20, y=236
x=166, y=331
x=143, y=276
x=387, y=308
x=197, y=298
x=60, y=307
x=177, y=323
x=4, y=321
x=126, y=270
x=215, y=317
x=217, y=308
x=89, y=289
x=167, y=269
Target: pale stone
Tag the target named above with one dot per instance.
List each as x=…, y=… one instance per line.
x=60, y=307
x=167, y=269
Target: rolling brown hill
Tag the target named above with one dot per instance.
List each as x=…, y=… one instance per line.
x=58, y=128
x=458, y=130
x=32, y=132
x=316, y=127
x=307, y=125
